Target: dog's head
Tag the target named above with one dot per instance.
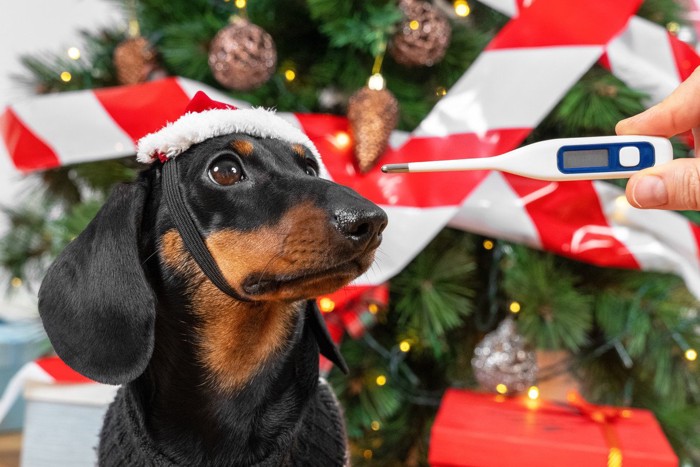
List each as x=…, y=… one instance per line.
x=275, y=228
x=277, y=231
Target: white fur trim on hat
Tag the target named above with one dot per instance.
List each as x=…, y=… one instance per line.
x=196, y=127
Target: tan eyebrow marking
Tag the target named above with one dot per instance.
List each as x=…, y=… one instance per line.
x=299, y=150
x=242, y=147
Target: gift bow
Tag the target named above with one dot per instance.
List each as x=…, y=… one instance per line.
x=605, y=417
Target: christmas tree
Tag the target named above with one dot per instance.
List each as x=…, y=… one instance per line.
x=628, y=337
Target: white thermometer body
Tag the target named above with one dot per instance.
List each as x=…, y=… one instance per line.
x=591, y=158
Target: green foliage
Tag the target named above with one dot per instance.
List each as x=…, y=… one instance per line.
x=555, y=314
x=595, y=104
x=662, y=11
x=68, y=198
x=93, y=70
x=432, y=295
x=367, y=401
x=35, y=237
x=405, y=406
x=367, y=29
x=330, y=10
x=184, y=46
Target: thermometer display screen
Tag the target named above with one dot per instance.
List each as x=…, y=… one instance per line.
x=586, y=158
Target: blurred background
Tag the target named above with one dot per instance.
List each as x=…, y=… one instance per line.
x=507, y=321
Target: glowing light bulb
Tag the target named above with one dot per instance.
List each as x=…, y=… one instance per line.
x=514, y=307
x=375, y=425
x=488, y=245
x=462, y=8
x=240, y=3
x=381, y=380
x=66, y=76
x=501, y=388
x=326, y=305
x=373, y=308
x=74, y=53
x=376, y=82
x=414, y=25
x=691, y=355
x=367, y=454
x=341, y=140
x=533, y=393
x=405, y=346
x=290, y=75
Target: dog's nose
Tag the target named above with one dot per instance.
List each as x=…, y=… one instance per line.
x=361, y=225
x=356, y=218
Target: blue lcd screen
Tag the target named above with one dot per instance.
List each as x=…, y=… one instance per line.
x=586, y=158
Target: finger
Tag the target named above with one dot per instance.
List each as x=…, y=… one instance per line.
x=696, y=140
x=677, y=113
x=675, y=186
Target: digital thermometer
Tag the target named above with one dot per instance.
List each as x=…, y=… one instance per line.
x=563, y=159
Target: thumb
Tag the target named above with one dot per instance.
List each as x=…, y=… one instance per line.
x=675, y=185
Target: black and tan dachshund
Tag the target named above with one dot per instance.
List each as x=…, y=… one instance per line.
x=210, y=380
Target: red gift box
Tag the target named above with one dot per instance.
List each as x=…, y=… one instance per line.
x=483, y=430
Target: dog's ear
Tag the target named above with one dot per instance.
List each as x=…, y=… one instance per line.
x=96, y=304
x=325, y=343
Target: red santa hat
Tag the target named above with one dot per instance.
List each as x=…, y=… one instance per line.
x=205, y=118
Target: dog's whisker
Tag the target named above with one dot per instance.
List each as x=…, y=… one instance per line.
x=269, y=263
x=149, y=257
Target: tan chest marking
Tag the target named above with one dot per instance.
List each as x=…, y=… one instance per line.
x=236, y=339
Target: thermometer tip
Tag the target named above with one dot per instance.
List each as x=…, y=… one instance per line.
x=395, y=168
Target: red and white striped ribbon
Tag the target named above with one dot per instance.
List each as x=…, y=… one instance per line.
x=509, y=89
x=646, y=56
x=44, y=370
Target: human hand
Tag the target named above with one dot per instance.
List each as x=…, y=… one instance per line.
x=675, y=185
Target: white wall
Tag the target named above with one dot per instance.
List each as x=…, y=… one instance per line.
x=30, y=26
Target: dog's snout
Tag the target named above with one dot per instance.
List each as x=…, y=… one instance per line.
x=356, y=218
x=360, y=225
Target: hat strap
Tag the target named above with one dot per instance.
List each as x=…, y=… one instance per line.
x=202, y=256
x=188, y=231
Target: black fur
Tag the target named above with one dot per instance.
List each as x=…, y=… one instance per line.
x=84, y=301
x=117, y=314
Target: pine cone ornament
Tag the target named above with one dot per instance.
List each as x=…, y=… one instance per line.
x=134, y=60
x=373, y=116
x=503, y=357
x=242, y=56
x=423, y=36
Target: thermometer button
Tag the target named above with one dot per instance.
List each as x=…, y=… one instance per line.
x=629, y=156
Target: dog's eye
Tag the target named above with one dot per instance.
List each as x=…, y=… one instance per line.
x=311, y=168
x=225, y=171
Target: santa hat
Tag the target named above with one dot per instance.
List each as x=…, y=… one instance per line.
x=205, y=118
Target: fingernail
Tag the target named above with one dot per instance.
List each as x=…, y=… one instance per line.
x=650, y=191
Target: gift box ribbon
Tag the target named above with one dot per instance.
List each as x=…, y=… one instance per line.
x=604, y=417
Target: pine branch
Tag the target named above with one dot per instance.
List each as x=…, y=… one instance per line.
x=662, y=11
x=432, y=295
x=554, y=313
